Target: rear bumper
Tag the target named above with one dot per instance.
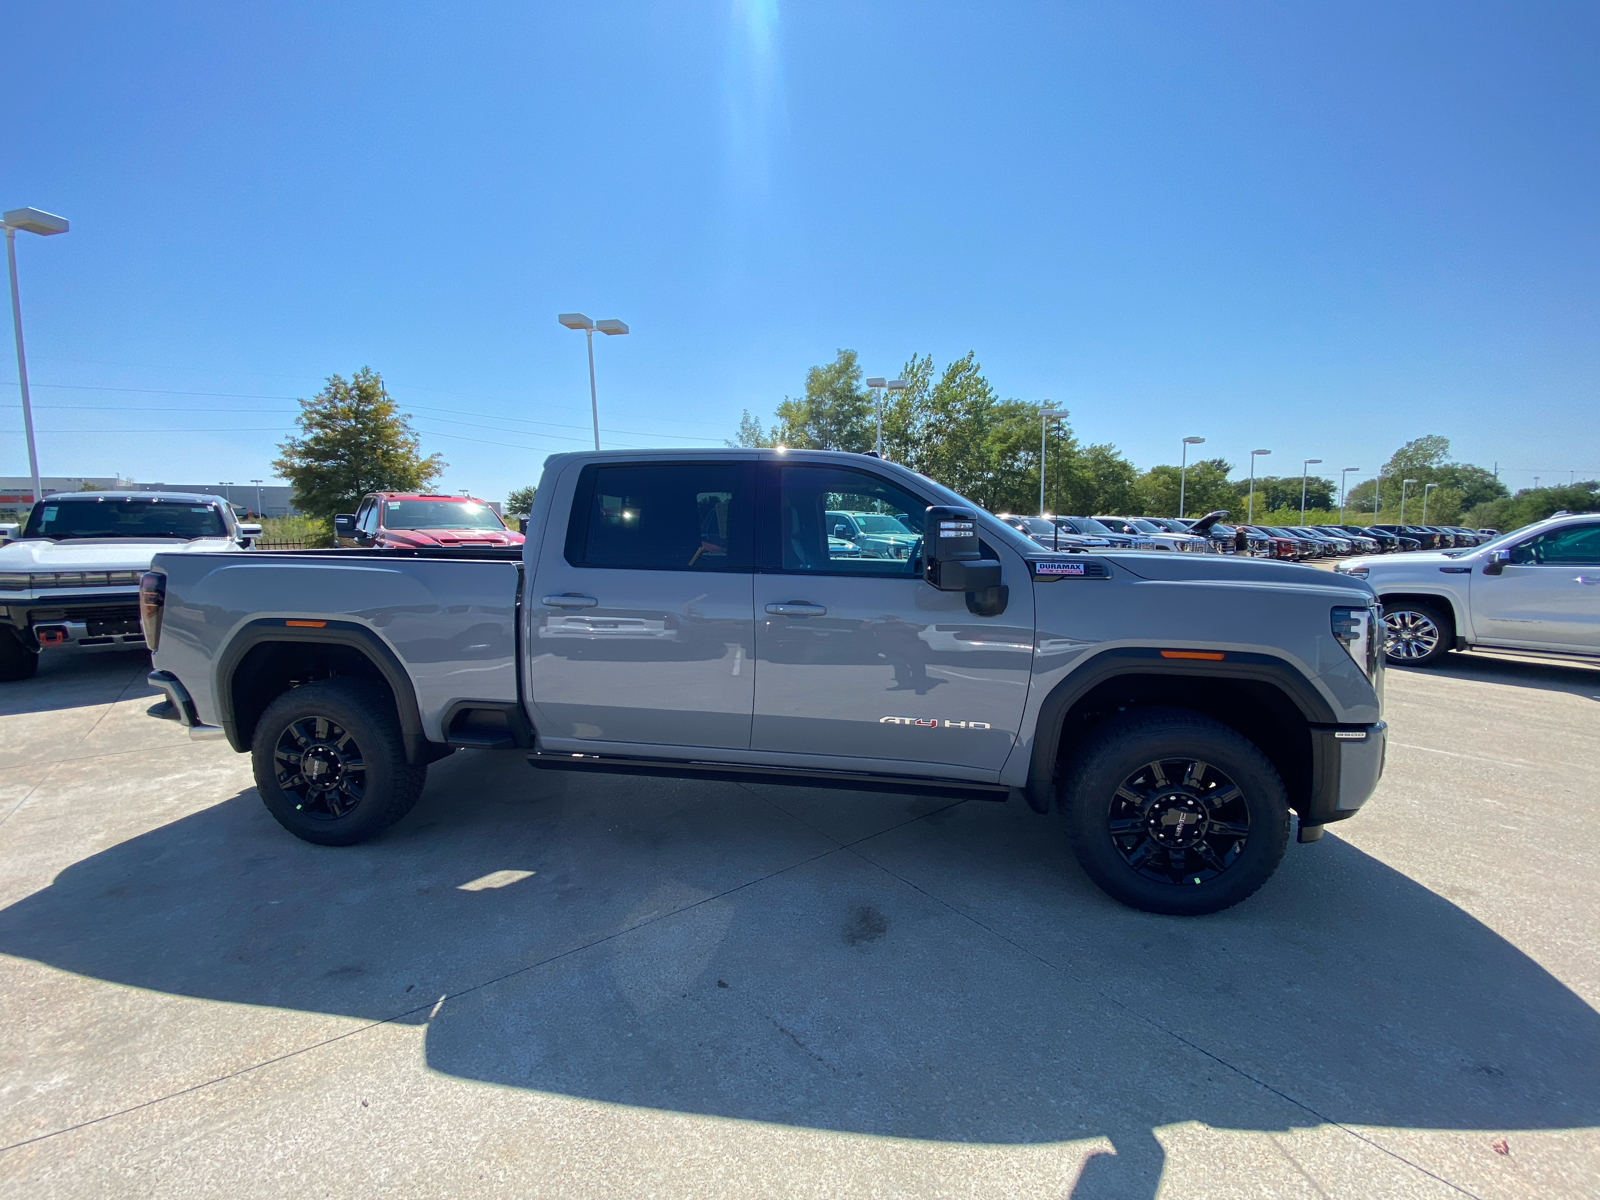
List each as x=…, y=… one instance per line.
x=183, y=710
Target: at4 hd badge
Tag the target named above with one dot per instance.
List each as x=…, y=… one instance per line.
x=934, y=723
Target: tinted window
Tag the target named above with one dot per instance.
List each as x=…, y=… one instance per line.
x=886, y=538
x=1571, y=546
x=367, y=517
x=59, y=517
x=663, y=517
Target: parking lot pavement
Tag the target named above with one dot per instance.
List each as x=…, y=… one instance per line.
x=551, y=984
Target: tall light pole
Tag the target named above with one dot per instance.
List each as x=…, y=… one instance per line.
x=1377, y=494
x=1305, y=468
x=1046, y=415
x=1426, y=488
x=257, y=482
x=1404, y=483
x=879, y=385
x=31, y=220
x=1342, y=475
x=610, y=328
x=1183, y=472
x=1250, y=514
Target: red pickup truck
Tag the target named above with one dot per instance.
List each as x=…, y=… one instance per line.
x=406, y=519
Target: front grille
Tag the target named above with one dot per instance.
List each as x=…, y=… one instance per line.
x=86, y=612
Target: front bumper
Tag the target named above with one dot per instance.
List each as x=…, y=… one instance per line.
x=1346, y=764
x=105, y=619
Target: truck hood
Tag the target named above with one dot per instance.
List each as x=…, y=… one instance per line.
x=452, y=537
x=104, y=554
x=1224, y=571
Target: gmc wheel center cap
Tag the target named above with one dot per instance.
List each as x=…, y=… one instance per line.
x=1176, y=820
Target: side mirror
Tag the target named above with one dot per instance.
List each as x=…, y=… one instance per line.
x=1497, y=562
x=952, y=559
x=344, y=525
x=249, y=531
x=522, y=525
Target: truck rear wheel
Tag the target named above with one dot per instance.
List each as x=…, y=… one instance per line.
x=16, y=660
x=330, y=762
x=1172, y=812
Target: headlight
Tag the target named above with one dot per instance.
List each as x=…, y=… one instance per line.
x=14, y=581
x=1358, y=632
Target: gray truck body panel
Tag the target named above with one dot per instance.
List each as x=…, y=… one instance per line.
x=895, y=678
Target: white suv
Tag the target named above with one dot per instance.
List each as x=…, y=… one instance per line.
x=1535, y=590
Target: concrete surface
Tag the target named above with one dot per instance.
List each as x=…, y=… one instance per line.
x=556, y=985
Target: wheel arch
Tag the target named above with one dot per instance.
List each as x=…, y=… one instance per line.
x=1400, y=595
x=268, y=657
x=1262, y=697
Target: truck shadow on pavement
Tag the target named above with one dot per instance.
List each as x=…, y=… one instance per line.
x=842, y=961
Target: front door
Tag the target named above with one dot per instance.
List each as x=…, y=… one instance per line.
x=1547, y=595
x=643, y=628
x=859, y=659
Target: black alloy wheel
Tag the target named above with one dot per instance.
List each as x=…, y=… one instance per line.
x=330, y=762
x=1172, y=812
x=1179, y=821
x=319, y=764
x=1415, y=634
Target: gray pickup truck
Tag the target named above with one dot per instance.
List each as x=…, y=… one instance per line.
x=688, y=613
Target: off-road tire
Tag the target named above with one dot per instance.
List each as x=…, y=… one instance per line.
x=1432, y=628
x=354, y=713
x=1119, y=750
x=17, y=662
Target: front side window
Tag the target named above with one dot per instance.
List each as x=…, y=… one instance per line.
x=63, y=517
x=663, y=517
x=882, y=523
x=367, y=517
x=439, y=514
x=1569, y=546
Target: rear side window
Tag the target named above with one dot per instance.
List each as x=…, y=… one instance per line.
x=663, y=517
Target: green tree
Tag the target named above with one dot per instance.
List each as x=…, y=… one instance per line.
x=352, y=441
x=1203, y=488
x=1282, y=492
x=752, y=434
x=1425, y=459
x=1533, y=504
x=520, y=500
x=836, y=412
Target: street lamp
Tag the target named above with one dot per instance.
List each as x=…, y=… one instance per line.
x=1377, y=494
x=1183, y=472
x=1250, y=515
x=1046, y=415
x=1404, y=483
x=879, y=385
x=1342, y=475
x=31, y=220
x=257, y=482
x=1426, y=488
x=1304, y=475
x=610, y=328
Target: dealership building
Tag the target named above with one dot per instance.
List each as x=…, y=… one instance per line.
x=277, y=500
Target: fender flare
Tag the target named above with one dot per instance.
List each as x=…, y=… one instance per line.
x=333, y=633
x=1147, y=660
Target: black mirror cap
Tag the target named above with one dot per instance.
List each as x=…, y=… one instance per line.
x=964, y=575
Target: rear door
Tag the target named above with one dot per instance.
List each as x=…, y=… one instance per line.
x=859, y=662
x=642, y=629
x=1547, y=595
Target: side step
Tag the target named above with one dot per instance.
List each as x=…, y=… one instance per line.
x=793, y=776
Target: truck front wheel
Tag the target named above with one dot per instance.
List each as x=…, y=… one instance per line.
x=330, y=762
x=16, y=660
x=1172, y=812
x=1416, y=633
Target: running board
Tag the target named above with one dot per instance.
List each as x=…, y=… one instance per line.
x=793, y=776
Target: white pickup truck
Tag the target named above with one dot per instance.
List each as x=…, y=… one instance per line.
x=72, y=579
x=1535, y=590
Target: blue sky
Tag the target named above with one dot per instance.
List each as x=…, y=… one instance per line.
x=1322, y=229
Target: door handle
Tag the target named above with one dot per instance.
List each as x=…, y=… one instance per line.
x=797, y=608
x=570, y=600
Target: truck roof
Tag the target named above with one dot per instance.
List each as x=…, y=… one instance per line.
x=188, y=497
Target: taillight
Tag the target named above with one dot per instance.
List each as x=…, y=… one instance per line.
x=152, y=603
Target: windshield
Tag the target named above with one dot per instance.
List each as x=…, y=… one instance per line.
x=1087, y=525
x=439, y=514
x=1147, y=526
x=877, y=523
x=158, y=517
